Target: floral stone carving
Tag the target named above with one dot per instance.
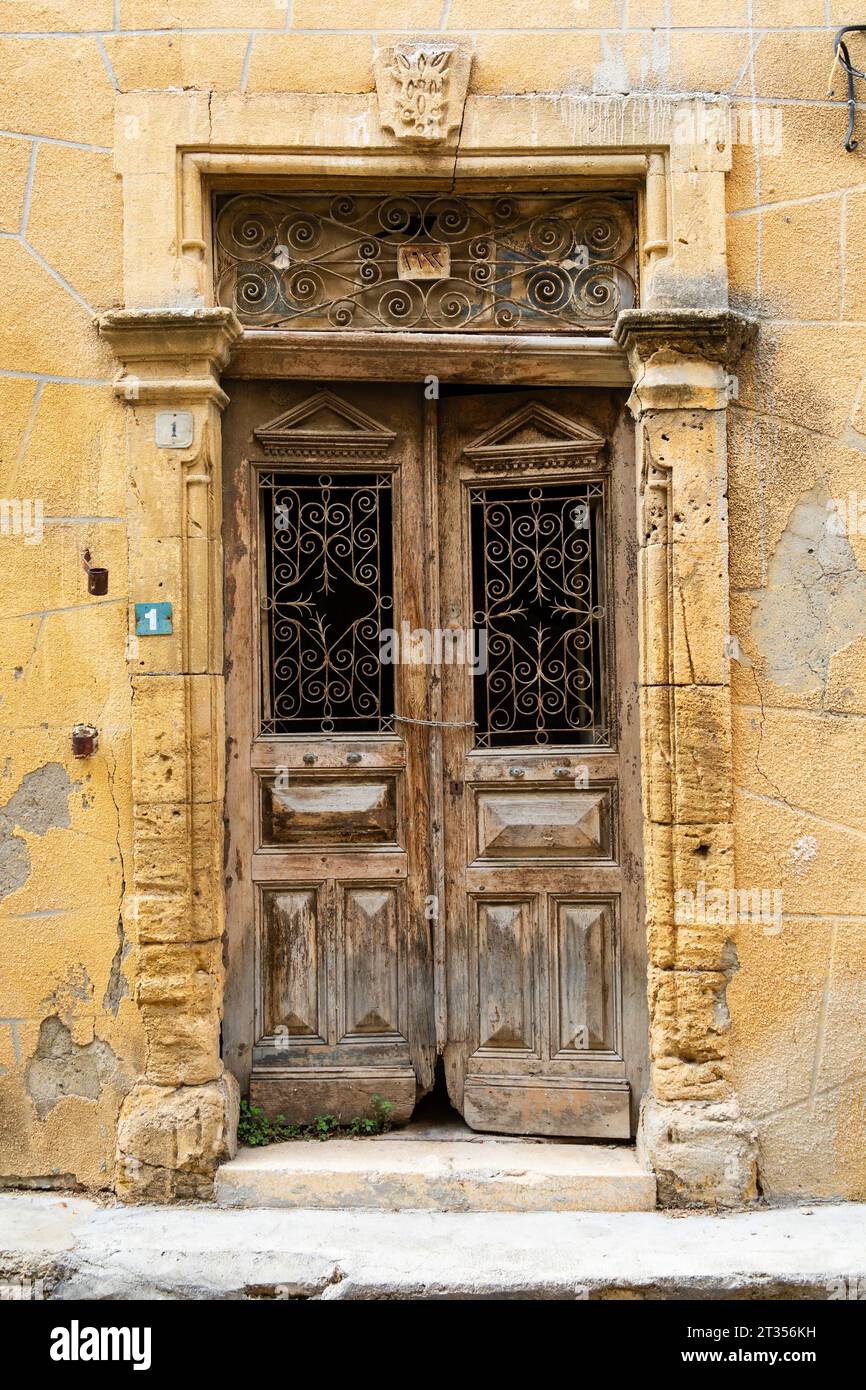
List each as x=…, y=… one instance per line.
x=421, y=87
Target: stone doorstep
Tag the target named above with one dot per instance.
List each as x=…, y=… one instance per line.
x=69, y=1247
x=437, y=1175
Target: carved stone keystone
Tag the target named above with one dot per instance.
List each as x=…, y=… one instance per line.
x=421, y=86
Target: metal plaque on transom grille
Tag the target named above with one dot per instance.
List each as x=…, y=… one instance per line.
x=427, y=262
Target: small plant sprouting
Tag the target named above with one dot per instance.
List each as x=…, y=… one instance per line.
x=255, y=1129
x=379, y=1123
x=322, y=1127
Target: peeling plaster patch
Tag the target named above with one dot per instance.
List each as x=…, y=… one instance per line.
x=76, y=989
x=60, y=1067
x=40, y=804
x=117, y=987
x=815, y=600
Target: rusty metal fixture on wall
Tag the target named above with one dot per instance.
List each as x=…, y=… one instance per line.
x=85, y=740
x=539, y=263
x=97, y=577
x=843, y=58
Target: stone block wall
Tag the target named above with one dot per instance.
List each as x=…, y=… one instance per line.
x=72, y=966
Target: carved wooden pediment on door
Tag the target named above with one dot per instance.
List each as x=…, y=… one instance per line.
x=324, y=426
x=535, y=437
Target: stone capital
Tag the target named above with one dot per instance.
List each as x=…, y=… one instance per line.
x=170, y=354
x=682, y=359
x=709, y=335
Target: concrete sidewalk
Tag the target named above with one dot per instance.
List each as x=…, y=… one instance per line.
x=79, y=1249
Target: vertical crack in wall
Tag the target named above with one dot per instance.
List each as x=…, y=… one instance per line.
x=118, y=986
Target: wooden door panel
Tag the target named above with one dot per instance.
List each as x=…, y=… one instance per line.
x=328, y=811
x=293, y=988
x=324, y=526
x=542, y=839
x=583, y=977
x=528, y=1105
x=373, y=1002
x=543, y=823
x=505, y=998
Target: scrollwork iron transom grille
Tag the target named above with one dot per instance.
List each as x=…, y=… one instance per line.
x=428, y=261
x=538, y=590
x=327, y=593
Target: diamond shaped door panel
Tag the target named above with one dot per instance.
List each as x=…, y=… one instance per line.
x=506, y=1010
x=543, y=824
x=293, y=994
x=372, y=1001
x=584, y=970
x=298, y=810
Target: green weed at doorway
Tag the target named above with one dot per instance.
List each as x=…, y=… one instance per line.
x=256, y=1129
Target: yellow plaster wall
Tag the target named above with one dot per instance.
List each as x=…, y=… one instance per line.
x=70, y=1035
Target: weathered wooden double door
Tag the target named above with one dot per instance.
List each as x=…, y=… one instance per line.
x=433, y=827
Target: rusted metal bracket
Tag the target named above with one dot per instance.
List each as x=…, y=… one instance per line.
x=97, y=577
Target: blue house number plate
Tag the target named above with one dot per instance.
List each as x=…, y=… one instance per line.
x=152, y=619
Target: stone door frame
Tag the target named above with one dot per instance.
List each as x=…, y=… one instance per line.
x=677, y=351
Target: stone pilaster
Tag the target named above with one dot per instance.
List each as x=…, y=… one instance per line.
x=691, y=1131
x=179, y=1120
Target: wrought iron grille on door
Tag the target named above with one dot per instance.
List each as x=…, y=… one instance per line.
x=539, y=598
x=327, y=594
x=427, y=261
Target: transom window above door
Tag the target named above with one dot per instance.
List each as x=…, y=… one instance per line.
x=427, y=262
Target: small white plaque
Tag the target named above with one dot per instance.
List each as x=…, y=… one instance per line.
x=174, y=429
x=424, y=260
